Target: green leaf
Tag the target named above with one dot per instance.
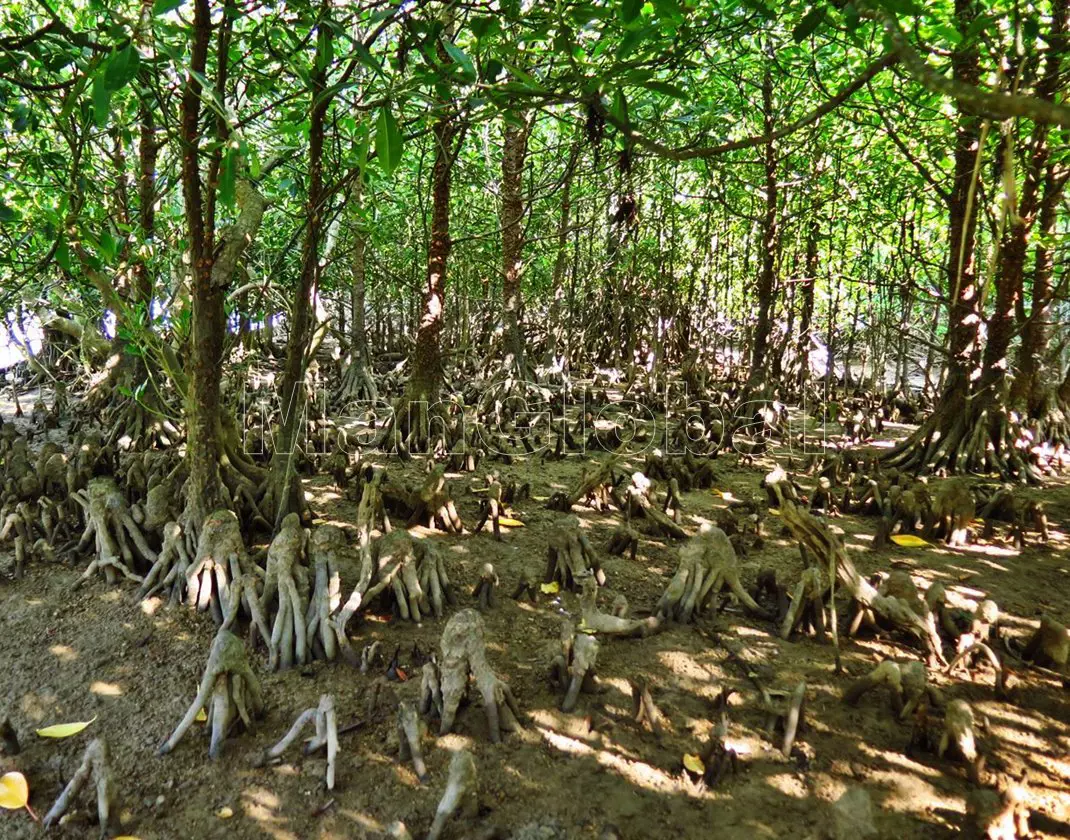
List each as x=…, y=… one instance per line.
x=8, y=214
x=162, y=7
x=491, y=70
x=63, y=255
x=227, y=172
x=387, y=140
x=109, y=245
x=619, y=107
x=121, y=67
x=665, y=88
x=630, y=9
x=324, y=47
x=101, y=101
x=468, y=71
x=811, y=20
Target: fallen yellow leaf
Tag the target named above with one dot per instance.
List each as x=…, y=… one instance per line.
x=510, y=523
x=64, y=730
x=225, y=813
x=14, y=792
x=551, y=588
x=540, y=498
x=480, y=489
x=694, y=764
x=201, y=716
x=908, y=540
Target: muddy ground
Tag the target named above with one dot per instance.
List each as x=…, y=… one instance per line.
x=96, y=653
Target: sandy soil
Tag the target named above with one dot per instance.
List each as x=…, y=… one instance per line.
x=94, y=652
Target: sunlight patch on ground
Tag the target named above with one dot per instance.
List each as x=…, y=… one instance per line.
x=64, y=653
x=105, y=689
x=261, y=805
x=788, y=784
x=638, y=773
x=150, y=605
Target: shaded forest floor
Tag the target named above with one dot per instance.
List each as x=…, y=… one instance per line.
x=95, y=652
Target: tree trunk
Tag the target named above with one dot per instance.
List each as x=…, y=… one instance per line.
x=211, y=270
x=806, y=319
x=557, y=283
x=514, y=153
x=285, y=483
x=426, y=377
x=770, y=240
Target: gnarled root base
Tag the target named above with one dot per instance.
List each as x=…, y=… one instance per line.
x=574, y=667
x=570, y=558
x=616, y=623
x=219, y=564
x=120, y=544
x=326, y=736
x=963, y=436
x=464, y=656
x=168, y=573
x=708, y=565
x=286, y=593
x=231, y=687
x=95, y=764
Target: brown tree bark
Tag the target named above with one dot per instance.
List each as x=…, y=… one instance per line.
x=770, y=239
x=426, y=377
x=285, y=493
x=806, y=318
x=211, y=269
x=514, y=155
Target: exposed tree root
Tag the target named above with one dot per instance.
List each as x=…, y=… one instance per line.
x=326, y=736
x=324, y=547
x=573, y=669
x=286, y=596
x=119, y=541
x=486, y=591
x=907, y=685
x=640, y=505
x=461, y=796
x=219, y=562
x=596, y=488
x=570, y=558
x=959, y=739
x=892, y=611
x=708, y=565
x=358, y=384
x=807, y=609
x=1000, y=815
x=231, y=687
x=644, y=710
x=410, y=731
x=415, y=427
x=965, y=435
x=464, y=656
x=96, y=765
x=172, y=565
x=616, y=623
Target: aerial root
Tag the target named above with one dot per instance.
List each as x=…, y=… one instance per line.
x=232, y=689
x=95, y=764
x=464, y=657
x=326, y=737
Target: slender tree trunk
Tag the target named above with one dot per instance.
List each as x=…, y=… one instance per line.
x=963, y=316
x=806, y=319
x=770, y=239
x=204, y=490
x=426, y=377
x=514, y=155
x=286, y=491
x=557, y=288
